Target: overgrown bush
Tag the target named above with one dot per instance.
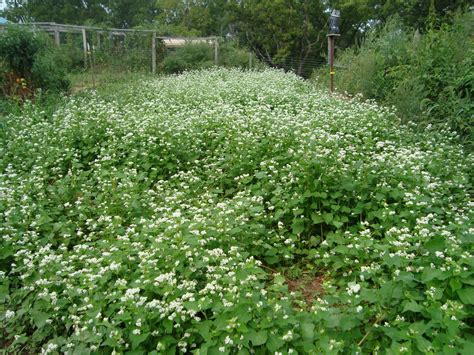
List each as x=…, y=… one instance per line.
x=30, y=62
x=428, y=78
x=233, y=56
x=444, y=68
x=191, y=56
x=199, y=56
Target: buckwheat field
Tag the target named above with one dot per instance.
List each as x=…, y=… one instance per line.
x=232, y=212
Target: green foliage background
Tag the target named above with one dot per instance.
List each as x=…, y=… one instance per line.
x=32, y=55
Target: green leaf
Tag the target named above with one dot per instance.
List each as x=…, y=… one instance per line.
x=333, y=321
x=44, y=219
x=279, y=280
x=203, y=328
x=298, y=226
x=468, y=280
x=328, y=217
x=418, y=328
x=435, y=244
x=39, y=318
x=422, y=344
x=348, y=322
x=468, y=348
x=369, y=295
x=274, y=343
x=386, y=290
x=316, y=218
x=430, y=274
x=138, y=339
x=455, y=284
x=257, y=338
x=412, y=306
x=307, y=330
x=4, y=289
x=466, y=295
x=6, y=251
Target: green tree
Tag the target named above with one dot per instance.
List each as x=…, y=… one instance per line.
x=284, y=33
x=195, y=17
x=60, y=11
x=130, y=13
x=359, y=16
x=116, y=13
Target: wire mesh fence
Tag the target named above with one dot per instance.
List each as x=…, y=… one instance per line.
x=119, y=48
x=95, y=54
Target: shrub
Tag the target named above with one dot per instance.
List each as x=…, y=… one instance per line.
x=191, y=56
x=444, y=68
x=199, y=56
x=31, y=61
x=233, y=56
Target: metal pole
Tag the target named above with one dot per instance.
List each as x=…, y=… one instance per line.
x=153, y=54
x=331, y=41
x=250, y=60
x=331, y=63
x=84, y=42
x=333, y=33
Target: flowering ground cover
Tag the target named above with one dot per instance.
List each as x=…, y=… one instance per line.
x=232, y=212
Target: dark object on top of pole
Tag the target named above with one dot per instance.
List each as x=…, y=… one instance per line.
x=334, y=22
x=333, y=33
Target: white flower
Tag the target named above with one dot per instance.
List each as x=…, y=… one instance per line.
x=288, y=336
x=9, y=314
x=353, y=288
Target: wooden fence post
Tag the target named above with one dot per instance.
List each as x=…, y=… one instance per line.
x=57, y=37
x=84, y=42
